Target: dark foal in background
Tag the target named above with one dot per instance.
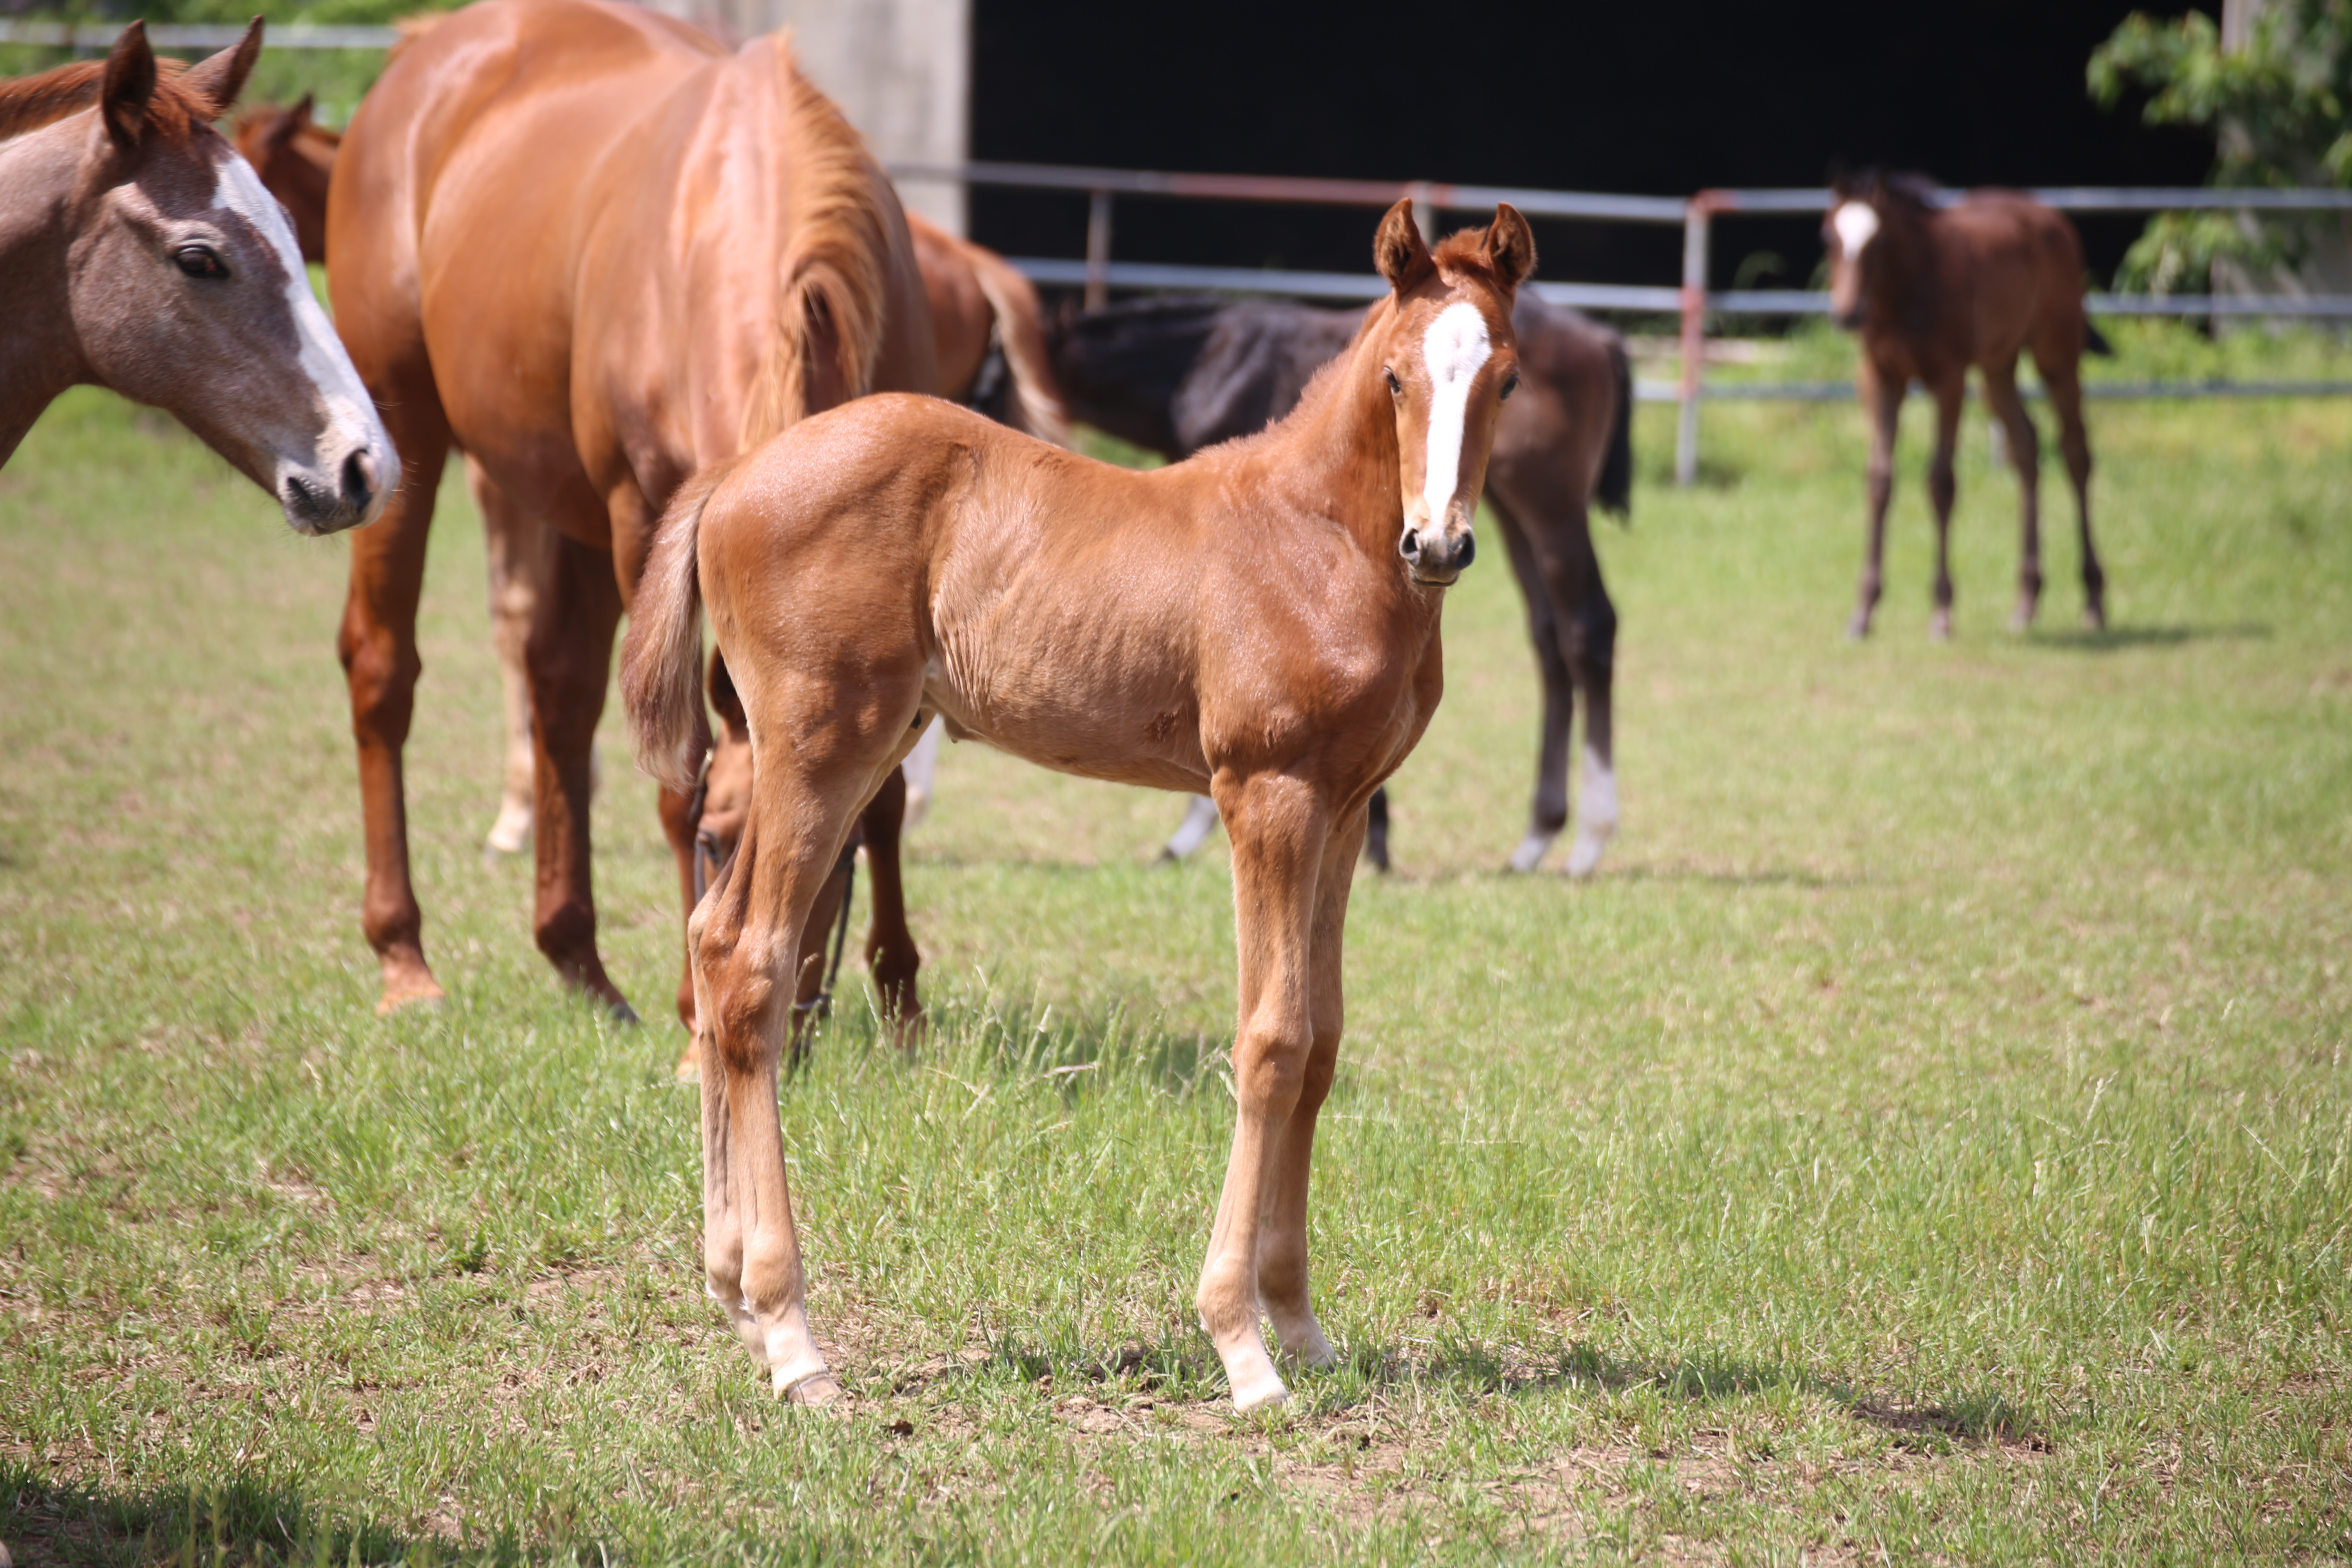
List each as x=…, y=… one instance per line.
x=1177, y=374
x=1932, y=290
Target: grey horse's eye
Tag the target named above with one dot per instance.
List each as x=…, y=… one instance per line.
x=200, y=261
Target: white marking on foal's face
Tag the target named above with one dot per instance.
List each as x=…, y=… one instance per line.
x=1454, y=350
x=1855, y=223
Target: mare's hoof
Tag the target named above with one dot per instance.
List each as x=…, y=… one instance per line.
x=1939, y=626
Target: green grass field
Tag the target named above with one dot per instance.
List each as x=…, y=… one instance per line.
x=1930, y=1138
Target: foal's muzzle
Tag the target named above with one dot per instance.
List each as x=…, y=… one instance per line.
x=349, y=493
x=1436, y=557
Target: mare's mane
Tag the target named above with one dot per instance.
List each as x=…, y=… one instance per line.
x=832, y=269
x=30, y=103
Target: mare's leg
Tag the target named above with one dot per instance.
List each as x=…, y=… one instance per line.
x=1282, y=1246
x=1280, y=834
x=1882, y=400
x=2065, y=382
x=891, y=955
x=1942, y=489
x=1549, y=813
x=570, y=659
x=378, y=647
x=515, y=543
x=2024, y=445
x=745, y=936
x=1200, y=821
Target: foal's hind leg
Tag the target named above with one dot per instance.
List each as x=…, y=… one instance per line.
x=1942, y=490
x=2024, y=445
x=1282, y=1246
x=1279, y=832
x=2074, y=439
x=745, y=937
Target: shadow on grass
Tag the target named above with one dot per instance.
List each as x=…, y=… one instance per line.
x=1770, y=877
x=1186, y=1367
x=1020, y=1034
x=2115, y=639
x=235, y=1519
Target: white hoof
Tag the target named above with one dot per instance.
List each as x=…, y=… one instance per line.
x=1591, y=840
x=512, y=832
x=1531, y=851
x=1260, y=1392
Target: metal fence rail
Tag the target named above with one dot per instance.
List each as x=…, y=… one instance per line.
x=100, y=37
x=1097, y=274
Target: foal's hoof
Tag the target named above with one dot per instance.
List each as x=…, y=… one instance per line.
x=2021, y=619
x=408, y=984
x=1939, y=626
x=2095, y=617
x=1859, y=628
x=618, y=1011
x=815, y=1391
x=1531, y=851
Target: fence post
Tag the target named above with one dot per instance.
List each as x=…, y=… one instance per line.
x=1424, y=216
x=1098, y=250
x=1694, y=338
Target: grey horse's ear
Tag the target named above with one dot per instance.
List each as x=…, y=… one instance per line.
x=129, y=88
x=1399, y=251
x=219, y=79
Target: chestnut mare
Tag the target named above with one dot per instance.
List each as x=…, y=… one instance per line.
x=586, y=246
x=1175, y=374
x=1260, y=622
x=1933, y=291
x=987, y=328
x=142, y=255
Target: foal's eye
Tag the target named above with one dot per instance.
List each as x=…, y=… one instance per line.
x=200, y=261
x=1396, y=387
x=1511, y=385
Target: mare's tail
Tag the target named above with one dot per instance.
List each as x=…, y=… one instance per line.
x=2092, y=343
x=1021, y=333
x=832, y=278
x=1615, y=490
x=661, y=664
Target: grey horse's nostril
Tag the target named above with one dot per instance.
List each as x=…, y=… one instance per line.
x=359, y=479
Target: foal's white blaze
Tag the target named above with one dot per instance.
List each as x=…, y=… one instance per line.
x=1454, y=349
x=1855, y=222
x=351, y=416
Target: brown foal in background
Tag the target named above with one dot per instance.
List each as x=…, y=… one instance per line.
x=589, y=248
x=141, y=255
x=1259, y=622
x=1933, y=291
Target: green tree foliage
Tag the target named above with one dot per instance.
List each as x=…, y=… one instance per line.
x=2277, y=109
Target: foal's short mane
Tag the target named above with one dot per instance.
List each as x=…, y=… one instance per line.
x=836, y=252
x=27, y=103
x=1897, y=188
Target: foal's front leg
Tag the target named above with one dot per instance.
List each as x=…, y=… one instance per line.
x=1881, y=399
x=1279, y=832
x=1943, y=489
x=1282, y=1246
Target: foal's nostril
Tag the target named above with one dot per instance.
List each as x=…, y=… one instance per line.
x=1409, y=545
x=1469, y=549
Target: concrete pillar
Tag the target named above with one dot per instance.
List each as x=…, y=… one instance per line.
x=901, y=70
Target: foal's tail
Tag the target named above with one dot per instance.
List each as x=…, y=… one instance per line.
x=1615, y=489
x=661, y=664
x=1020, y=332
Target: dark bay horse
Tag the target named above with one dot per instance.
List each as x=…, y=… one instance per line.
x=1260, y=622
x=988, y=332
x=1933, y=290
x=593, y=251
x=141, y=254
x=1175, y=374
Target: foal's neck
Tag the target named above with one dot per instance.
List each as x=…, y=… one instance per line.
x=1336, y=456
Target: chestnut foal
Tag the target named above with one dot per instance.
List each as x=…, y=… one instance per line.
x=1932, y=292
x=1259, y=622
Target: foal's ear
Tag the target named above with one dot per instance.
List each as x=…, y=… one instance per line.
x=220, y=78
x=128, y=87
x=1399, y=251
x=1510, y=247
